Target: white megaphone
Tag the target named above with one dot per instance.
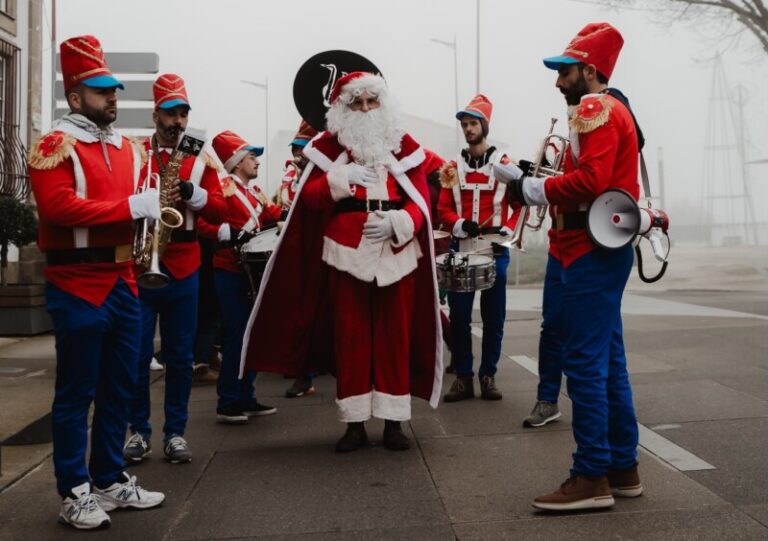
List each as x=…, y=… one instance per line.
x=615, y=219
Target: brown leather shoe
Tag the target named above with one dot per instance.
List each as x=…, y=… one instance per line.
x=625, y=483
x=578, y=492
x=394, y=439
x=488, y=389
x=463, y=387
x=353, y=439
x=203, y=376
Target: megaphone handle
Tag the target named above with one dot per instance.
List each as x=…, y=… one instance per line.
x=643, y=277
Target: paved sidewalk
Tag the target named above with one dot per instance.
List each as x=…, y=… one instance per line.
x=699, y=362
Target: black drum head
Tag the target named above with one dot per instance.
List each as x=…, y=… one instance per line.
x=315, y=80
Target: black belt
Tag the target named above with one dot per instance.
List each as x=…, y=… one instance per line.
x=107, y=254
x=352, y=204
x=566, y=221
x=178, y=235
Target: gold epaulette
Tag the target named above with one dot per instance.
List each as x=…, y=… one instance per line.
x=262, y=198
x=228, y=187
x=591, y=113
x=210, y=162
x=50, y=150
x=448, y=175
x=139, y=145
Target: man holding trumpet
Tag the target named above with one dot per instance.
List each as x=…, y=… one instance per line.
x=582, y=328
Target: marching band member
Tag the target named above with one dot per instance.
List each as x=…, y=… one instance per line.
x=302, y=385
x=473, y=202
x=247, y=212
x=584, y=285
x=84, y=176
x=176, y=303
x=360, y=228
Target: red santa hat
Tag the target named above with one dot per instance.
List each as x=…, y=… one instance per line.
x=304, y=135
x=82, y=62
x=231, y=149
x=169, y=91
x=355, y=83
x=598, y=44
x=480, y=107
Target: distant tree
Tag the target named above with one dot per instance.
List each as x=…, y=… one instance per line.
x=18, y=226
x=727, y=19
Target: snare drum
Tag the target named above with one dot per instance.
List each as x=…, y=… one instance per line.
x=256, y=251
x=462, y=272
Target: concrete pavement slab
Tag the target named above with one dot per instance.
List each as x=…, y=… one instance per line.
x=758, y=511
x=711, y=523
x=703, y=400
x=416, y=533
x=489, y=478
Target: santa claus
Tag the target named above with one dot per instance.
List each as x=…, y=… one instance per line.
x=366, y=304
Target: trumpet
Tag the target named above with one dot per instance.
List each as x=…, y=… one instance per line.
x=527, y=218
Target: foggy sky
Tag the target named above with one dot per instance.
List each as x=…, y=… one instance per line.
x=214, y=45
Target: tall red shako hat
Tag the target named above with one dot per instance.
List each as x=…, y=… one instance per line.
x=231, y=149
x=169, y=91
x=480, y=107
x=82, y=62
x=598, y=44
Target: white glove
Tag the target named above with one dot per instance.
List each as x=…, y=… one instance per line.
x=507, y=172
x=198, y=200
x=145, y=205
x=506, y=231
x=654, y=237
x=225, y=233
x=361, y=175
x=379, y=230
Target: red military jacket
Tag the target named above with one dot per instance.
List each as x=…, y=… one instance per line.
x=81, y=187
x=183, y=258
x=474, y=194
x=603, y=154
x=244, y=205
x=288, y=185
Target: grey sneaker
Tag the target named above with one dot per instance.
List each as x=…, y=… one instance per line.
x=543, y=412
x=463, y=387
x=137, y=448
x=488, y=389
x=177, y=450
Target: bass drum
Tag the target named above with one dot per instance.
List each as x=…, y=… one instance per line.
x=462, y=272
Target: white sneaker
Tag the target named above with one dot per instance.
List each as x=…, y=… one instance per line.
x=155, y=365
x=84, y=511
x=128, y=494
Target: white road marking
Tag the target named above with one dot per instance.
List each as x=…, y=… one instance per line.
x=654, y=443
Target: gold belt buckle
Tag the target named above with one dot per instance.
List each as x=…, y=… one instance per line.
x=123, y=253
x=560, y=221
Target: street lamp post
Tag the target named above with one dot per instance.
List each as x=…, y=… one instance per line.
x=265, y=86
x=452, y=45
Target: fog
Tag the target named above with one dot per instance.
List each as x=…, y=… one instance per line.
x=665, y=70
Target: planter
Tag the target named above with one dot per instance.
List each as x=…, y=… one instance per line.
x=22, y=310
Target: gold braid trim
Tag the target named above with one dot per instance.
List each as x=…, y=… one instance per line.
x=50, y=150
x=448, y=175
x=583, y=125
x=279, y=196
x=139, y=145
x=228, y=187
x=210, y=162
x=262, y=198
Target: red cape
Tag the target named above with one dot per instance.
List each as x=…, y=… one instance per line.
x=289, y=331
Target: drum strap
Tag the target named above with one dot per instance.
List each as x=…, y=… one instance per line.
x=253, y=221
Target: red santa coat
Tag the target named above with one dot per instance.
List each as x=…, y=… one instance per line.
x=288, y=331
x=243, y=206
x=82, y=202
x=474, y=194
x=183, y=258
x=602, y=154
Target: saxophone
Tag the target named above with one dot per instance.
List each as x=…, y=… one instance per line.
x=149, y=247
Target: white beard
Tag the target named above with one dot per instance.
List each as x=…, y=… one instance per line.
x=370, y=136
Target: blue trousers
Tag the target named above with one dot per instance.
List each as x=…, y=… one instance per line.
x=96, y=359
x=176, y=305
x=593, y=359
x=551, y=336
x=233, y=289
x=493, y=311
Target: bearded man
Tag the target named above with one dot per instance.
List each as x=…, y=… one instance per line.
x=360, y=226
